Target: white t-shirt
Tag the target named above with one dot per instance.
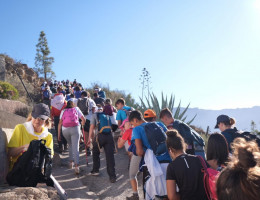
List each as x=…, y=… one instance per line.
x=91, y=105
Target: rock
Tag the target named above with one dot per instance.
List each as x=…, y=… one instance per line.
x=2, y=68
x=30, y=193
x=30, y=72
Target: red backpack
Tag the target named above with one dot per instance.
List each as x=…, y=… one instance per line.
x=70, y=117
x=209, y=180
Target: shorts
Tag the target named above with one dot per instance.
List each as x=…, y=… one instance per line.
x=87, y=125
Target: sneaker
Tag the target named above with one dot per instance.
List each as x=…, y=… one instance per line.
x=77, y=170
x=94, y=173
x=112, y=179
x=133, y=197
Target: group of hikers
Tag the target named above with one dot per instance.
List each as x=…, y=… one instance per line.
x=169, y=153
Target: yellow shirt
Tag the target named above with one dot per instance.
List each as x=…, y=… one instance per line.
x=23, y=135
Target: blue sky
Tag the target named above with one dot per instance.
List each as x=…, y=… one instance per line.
x=205, y=52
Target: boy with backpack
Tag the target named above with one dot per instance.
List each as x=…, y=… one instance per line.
x=103, y=138
x=190, y=136
x=123, y=111
x=46, y=95
x=149, y=139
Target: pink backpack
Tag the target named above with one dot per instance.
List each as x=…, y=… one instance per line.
x=70, y=117
x=210, y=179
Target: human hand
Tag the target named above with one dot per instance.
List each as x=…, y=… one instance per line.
x=89, y=142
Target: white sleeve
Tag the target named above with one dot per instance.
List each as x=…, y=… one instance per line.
x=80, y=114
x=62, y=113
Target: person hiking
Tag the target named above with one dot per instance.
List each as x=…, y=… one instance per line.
x=103, y=138
x=46, y=95
x=241, y=178
x=35, y=128
x=100, y=92
x=134, y=160
x=99, y=100
x=217, y=151
x=108, y=108
x=150, y=116
x=74, y=100
x=69, y=123
x=190, y=136
x=149, y=139
x=77, y=92
x=122, y=111
x=88, y=116
x=184, y=176
x=58, y=103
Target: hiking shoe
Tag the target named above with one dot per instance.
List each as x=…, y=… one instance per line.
x=94, y=173
x=133, y=197
x=77, y=170
x=88, y=152
x=113, y=179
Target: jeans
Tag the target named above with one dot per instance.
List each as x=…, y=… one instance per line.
x=106, y=141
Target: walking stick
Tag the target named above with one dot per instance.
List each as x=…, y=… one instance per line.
x=85, y=142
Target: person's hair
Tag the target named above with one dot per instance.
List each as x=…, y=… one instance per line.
x=95, y=94
x=150, y=119
x=77, y=88
x=70, y=104
x=136, y=114
x=47, y=122
x=165, y=112
x=231, y=122
x=59, y=89
x=175, y=140
x=88, y=94
x=241, y=178
x=121, y=100
x=72, y=95
x=108, y=101
x=217, y=148
x=84, y=94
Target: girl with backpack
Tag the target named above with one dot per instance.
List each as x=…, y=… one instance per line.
x=69, y=123
x=184, y=176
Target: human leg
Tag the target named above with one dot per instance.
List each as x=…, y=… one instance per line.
x=67, y=133
x=96, y=155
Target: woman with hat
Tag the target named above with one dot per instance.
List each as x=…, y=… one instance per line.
x=227, y=128
x=35, y=128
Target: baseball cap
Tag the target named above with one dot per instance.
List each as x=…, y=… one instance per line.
x=149, y=113
x=122, y=125
x=222, y=118
x=41, y=110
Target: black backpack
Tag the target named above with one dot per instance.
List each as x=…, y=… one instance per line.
x=27, y=170
x=156, y=138
x=248, y=136
x=83, y=104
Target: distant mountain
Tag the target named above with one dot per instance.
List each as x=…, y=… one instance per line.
x=243, y=117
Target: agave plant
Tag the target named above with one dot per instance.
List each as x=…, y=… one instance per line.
x=153, y=103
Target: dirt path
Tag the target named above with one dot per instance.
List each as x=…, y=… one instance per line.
x=86, y=186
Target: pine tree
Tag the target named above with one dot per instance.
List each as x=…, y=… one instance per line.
x=43, y=63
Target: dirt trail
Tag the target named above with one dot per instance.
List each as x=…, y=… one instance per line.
x=86, y=186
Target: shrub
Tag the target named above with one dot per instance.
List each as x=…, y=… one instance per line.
x=8, y=91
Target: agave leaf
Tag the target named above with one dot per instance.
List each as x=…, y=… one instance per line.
x=184, y=111
x=176, y=115
x=148, y=102
x=142, y=103
x=189, y=122
x=184, y=118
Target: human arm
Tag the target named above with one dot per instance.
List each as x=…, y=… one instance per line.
x=171, y=190
x=91, y=130
x=139, y=147
x=119, y=122
x=15, y=151
x=59, y=130
x=120, y=142
x=83, y=120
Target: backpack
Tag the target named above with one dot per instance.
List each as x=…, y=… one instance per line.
x=27, y=170
x=189, y=135
x=128, y=111
x=46, y=94
x=104, y=123
x=156, y=138
x=209, y=179
x=70, y=117
x=83, y=104
x=77, y=94
x=248, y=136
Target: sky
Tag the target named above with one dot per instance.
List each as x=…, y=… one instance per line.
x=206, y=53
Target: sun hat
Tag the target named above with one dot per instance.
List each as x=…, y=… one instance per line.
x=41, y=110
x=149, y=113
x=122, y=125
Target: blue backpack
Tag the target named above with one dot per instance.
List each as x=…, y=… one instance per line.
x=156, y=138
x=104, y=123
x=46, y=94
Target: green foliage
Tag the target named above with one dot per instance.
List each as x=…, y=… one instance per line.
x=43, y=63
x=153, y=103
x=8, y=91
x=145, y=79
